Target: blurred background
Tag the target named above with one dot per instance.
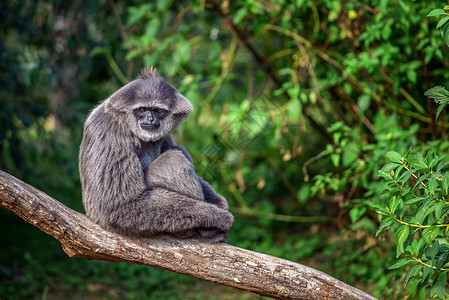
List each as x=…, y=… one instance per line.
x=296, y=104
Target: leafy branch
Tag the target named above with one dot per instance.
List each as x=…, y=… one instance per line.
x=414, y=206
x=443, y=23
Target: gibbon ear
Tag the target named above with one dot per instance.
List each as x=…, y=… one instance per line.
x=183, y=106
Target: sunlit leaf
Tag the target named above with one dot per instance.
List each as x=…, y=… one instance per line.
x=240, y=15
x=335, y=158
x=394, y=156
x=402, y=262
x=436, y=12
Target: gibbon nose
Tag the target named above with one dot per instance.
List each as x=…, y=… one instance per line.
x=150, y=119
x=150, y=122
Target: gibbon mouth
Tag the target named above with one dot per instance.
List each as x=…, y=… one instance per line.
x=149, y=126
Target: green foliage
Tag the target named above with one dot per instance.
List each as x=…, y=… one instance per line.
x=296, y=105
x=443, y=23
x=417, y=210
x=416, y=204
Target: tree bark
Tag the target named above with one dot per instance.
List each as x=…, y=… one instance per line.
x=219, y=263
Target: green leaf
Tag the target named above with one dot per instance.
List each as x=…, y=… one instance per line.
x=364, y=102
x=405, y=191
x=335, y=158
x=432, y=185
x=424, y=169
x=383, y=174
x=422, y=212
x=442, y=21
x=294, y=109
x=414, y=246
x=416, y=200
x=440, y=109
x=380, y=209
x=438, y=93
x=413, y=287
x=406, y=175
x=240, y=15
x=394, y=156
x=401, y=236
x=152, y=29
x=402, y=262
x=394, y=202
x=439, y=209
x=97, y=51
x=304, y=193
x=398, y=170
x=438, y=287
x=445, y=182
x=419, y=159
x=137, y=13
x=356, y=212
x=432, y=252
x=390, y=166
x=350, y=154
x=387, y=221
x=161, y=4
x=443, y=163
x=445, y=33
x=436, y=12
x=440, y=261
x=412, y=273
x=421, y=179
x=426, y=272
x=429, y=234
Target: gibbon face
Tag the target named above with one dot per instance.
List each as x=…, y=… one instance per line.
x=153, y=108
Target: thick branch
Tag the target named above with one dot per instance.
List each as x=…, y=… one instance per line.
x=220, y=263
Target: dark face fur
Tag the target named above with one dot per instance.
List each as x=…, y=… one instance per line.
x=153, y=108
x=150, y=118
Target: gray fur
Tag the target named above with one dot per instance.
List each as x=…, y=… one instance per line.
x=140, y=183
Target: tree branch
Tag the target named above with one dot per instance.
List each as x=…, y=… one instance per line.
x=219, y=263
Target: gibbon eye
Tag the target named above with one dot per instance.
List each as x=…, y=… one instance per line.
x=142, y=109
